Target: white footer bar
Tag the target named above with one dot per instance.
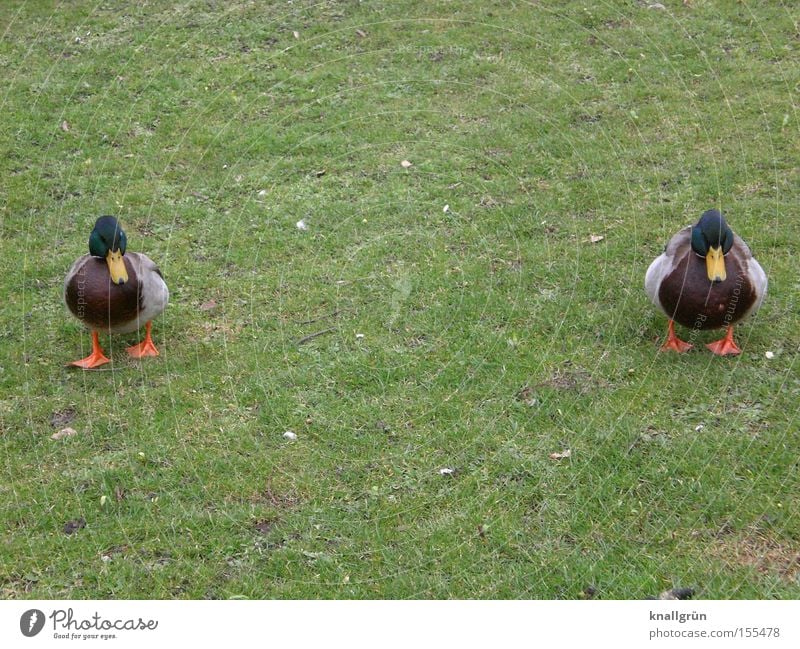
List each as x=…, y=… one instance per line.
x=414, y=624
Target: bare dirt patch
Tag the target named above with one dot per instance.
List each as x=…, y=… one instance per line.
x=754, y=549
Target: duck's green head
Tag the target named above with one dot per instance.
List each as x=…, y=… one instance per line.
x=712, y=239
x=108, y=241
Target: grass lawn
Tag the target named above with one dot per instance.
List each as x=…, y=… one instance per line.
x=466, y=320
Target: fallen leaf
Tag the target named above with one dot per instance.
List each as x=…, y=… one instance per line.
x=64, y=432
x=70, y=527
x=296, y=34
x=405, y=164
x=319, y=173
x=560, y=456
x=595, y=238
x=207, y=306
x=361, y=33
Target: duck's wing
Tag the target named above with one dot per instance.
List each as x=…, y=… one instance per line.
x=154, y=294
x=679, y=243
x=73, y=270
x=143, y=265
x=742, y=247
x=755, y=273
x=665, y=263
x=72, y=277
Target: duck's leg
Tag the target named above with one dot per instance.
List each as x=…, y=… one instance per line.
x=726, y=345
x=96, y=358
x=673, y=342
x=146, y=347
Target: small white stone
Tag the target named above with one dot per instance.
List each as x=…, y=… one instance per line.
x=446, y=208
x=289, y=435
x=359, y=336
x=698, y=428
x=769, y=354
x=263, y=192
x=446, y=471
x=301, y=225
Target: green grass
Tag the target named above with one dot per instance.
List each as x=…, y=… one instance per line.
x=494, y=333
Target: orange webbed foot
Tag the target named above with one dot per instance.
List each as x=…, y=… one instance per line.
x=144, y=348
x=674, y=343
x=725, y=346
x=95, y=359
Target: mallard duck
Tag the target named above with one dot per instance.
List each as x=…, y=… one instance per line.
x=109, y=290
x=706, y=278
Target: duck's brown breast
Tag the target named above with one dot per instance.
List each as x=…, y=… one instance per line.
x=96, y=301
x=689, y=298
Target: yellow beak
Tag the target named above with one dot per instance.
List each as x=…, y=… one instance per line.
x=715, y=265
x=116, y=266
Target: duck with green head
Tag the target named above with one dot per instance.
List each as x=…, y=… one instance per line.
x=706, y=278
x=113, y=290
